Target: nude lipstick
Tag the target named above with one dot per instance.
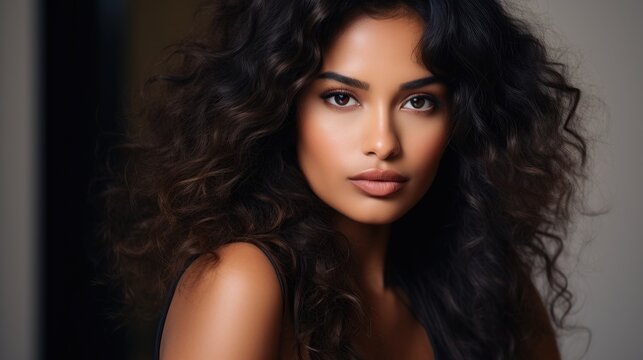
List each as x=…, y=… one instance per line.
x=378, y=182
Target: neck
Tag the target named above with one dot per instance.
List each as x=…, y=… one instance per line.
x=368, y=244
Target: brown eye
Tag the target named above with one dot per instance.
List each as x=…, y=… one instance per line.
x=417, y=102
x=422, y=103
x=339, y=99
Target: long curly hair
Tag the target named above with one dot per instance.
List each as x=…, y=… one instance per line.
x=212, y=161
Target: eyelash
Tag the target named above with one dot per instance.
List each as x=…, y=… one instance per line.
x=436, y=104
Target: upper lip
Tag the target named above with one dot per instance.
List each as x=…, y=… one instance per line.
x=380, y=175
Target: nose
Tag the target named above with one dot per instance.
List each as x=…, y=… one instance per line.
x=380, y=137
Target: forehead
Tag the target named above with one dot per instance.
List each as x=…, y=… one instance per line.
x=368, y=45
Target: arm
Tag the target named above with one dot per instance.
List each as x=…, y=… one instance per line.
x=228, y=310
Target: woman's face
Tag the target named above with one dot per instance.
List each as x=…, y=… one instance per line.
x=373, y=107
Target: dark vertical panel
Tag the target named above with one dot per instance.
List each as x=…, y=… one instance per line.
x=81, y=83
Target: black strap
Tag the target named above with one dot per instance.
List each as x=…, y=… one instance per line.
x=172, y=289
x=166, y=307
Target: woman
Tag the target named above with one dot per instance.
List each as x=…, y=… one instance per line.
x=351, y=179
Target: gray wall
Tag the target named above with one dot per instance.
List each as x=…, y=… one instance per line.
x=18, y=180
x=603, y=40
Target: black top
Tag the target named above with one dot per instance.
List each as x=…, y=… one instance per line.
x=170, y=295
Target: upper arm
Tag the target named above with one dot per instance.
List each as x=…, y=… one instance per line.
x=227, y=310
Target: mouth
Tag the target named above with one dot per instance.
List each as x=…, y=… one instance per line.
x=378, y=188
x=378, y=182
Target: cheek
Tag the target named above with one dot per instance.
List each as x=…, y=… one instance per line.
x=426, y=151
x=321, y=143
x=309, y=144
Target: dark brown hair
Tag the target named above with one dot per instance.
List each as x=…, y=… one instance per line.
x=212, y=162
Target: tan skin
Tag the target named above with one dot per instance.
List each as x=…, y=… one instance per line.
x=383, y=127
x=232, y=309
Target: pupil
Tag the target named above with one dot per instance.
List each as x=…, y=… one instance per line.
x=341, y=99
x=417, y=102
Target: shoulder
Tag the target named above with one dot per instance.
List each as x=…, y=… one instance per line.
x=540, y=338
x=226, y=307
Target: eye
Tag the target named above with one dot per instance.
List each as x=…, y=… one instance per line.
x=339, y=99
x=422, y=103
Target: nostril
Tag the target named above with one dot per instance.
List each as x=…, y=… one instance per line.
x=386, y=149
x=380, y=136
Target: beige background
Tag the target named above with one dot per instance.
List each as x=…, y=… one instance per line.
x=602, y=41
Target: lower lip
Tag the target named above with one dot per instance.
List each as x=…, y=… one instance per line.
x=378, y=188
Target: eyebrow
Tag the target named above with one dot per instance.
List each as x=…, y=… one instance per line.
x=414, y=84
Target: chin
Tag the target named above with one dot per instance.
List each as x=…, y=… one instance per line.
x=375, y=217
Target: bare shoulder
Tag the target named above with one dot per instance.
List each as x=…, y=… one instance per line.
x=225, y=309
x=541, y=342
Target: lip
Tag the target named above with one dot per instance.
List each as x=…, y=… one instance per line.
x=378, y=182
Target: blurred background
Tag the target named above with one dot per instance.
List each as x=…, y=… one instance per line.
x=71, y=69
